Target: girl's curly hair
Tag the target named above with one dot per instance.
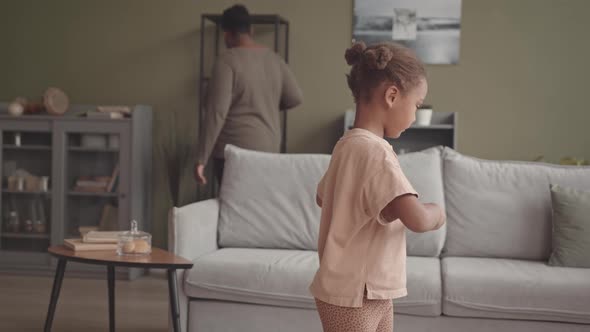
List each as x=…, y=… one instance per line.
x=385, y=62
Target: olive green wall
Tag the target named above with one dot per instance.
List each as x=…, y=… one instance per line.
x=518, y=88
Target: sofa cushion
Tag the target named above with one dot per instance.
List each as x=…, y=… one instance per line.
x=424, y=171
x=282, y=277
x=514, y=289
x=571, y=227
x=502, y=208
x=268, y=199
x=424, y=288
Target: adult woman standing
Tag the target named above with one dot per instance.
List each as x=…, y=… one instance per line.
x=250, y=84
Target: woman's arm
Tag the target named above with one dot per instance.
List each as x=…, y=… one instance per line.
x=291, y=95
x=219, y=96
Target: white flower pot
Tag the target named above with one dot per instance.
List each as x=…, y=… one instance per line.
x=423, y=117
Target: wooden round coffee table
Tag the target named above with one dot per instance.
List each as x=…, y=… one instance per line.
x=158, y=259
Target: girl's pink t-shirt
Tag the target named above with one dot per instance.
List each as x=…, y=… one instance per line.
x=358, y=249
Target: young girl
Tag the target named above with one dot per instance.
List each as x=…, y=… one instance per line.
x=366, y=200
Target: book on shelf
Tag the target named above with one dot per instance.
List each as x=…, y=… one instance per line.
x=101, y=179
x=104, y=115
x=109, y=220
x=115, y=186
x=111, y=187
x=90, y=189
x=92, y=184
x=122, y=109
x=79, y=245
x=98, y=184
x=101, y=237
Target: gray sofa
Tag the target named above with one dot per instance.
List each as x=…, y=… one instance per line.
x=254, y=248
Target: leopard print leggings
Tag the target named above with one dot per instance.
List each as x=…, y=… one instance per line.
x=373, y=316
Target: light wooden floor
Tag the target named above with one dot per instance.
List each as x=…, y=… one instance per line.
x=141, y=305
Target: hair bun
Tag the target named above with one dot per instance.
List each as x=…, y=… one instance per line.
x=354, y=54
x=379, y=57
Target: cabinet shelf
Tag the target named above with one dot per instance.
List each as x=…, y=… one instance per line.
x=435, y=127
x=33, y=193
x=442, y=131
x=429, y=127
x=89, y=194
x=27, y=147
x=83, y=149
x=24, y=236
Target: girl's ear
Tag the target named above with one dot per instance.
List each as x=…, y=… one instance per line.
x=391, y=93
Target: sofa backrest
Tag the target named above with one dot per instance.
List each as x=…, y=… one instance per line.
x=267, y=200
x=502, y=208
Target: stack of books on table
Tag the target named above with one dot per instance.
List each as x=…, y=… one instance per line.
x=94, y=240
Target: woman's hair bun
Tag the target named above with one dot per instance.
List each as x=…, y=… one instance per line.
x=354, y=54
x=378, y=58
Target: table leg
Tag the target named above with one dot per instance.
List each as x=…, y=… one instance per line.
x=111, y=283
x=172, y=289
x=59, y=276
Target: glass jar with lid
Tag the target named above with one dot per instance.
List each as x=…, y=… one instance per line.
x=28, y=226
x=12, y=222
x=134, y=242
x=39, y=226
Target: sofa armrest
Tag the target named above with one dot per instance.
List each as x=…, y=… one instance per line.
x=192, y=229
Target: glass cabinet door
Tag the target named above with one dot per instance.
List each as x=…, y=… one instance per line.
x=95, y=181
x=27, y=188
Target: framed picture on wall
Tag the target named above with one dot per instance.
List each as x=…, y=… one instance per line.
x=432, y=28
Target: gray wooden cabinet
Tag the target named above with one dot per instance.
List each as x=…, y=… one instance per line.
x=75, y=154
